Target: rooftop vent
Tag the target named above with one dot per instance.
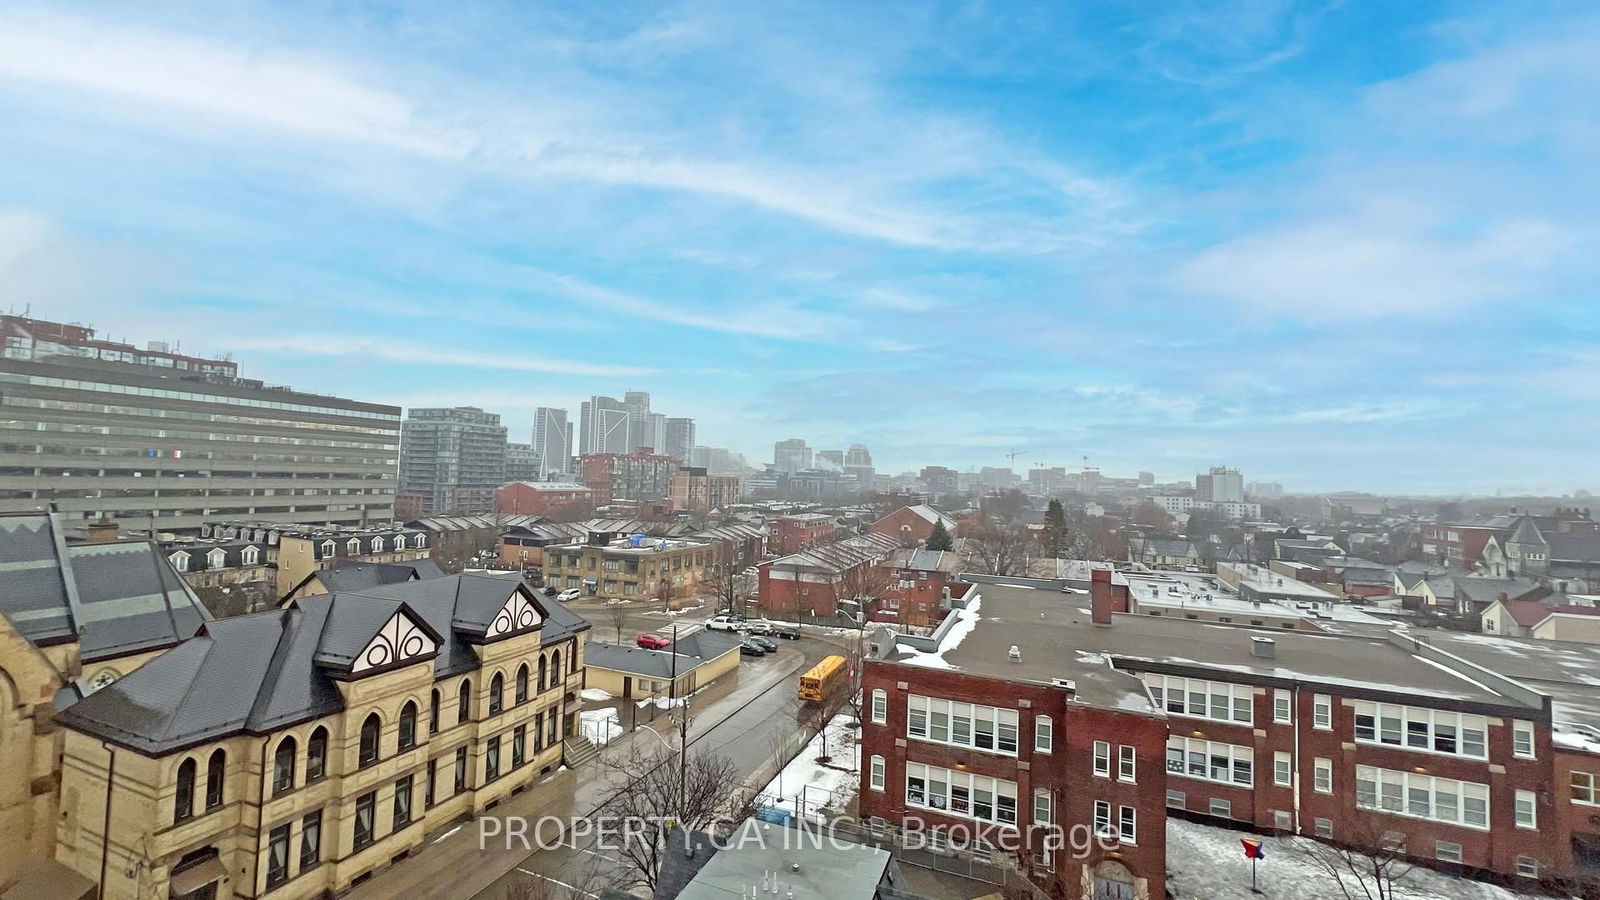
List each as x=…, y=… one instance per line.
x=1067, y=683
x=1264, y=647
x=1016, y=654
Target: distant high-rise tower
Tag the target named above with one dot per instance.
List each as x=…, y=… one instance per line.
x=791, y=455
x=552, y=440
x=454, y=458
x=831, y=460
x=858, y=462
x=680, y=438
x=1220, y=485
x=603, y=426
x=641, y=432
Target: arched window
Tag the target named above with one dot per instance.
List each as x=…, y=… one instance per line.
x=183, y=800
x=408, y=725
x=433, y=712
x=555, y=668
x=522, y=683
x=216, y=770
x=369, y=740
x=283, y=767
x=317, y=754
x=464, y=703
x=497, y=686
x=544, y=674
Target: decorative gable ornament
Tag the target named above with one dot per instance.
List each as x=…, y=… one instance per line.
x=399, y=640
x=516, y=615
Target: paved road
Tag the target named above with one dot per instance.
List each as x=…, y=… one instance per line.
x=745, y=737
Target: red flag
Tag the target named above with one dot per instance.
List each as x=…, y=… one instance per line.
x=1252, y=849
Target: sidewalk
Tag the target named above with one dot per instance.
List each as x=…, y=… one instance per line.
x=453, y=867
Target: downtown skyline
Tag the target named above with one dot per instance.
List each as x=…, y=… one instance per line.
x=1162, y=241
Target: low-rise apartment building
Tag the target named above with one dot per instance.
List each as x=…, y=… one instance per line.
x=800, y=531
x=1468, y=750
x=826, y=580
x=291, y=753
x=694, y=490
x=631, y=567
x=543, y=498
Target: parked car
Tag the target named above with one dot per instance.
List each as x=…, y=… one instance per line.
x=787, y=632
x=751, y=648
x=725, y=623
x=649, y=640
x=764, y=643
x=568, y=595
x=551, y=590
x=758, y=628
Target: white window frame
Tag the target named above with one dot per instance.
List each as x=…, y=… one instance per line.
x=216, y=558
x=1282, y=706
x=1210, y=751
x=1322, y=775
x=1443, y=853
x=1220, y=803
x=250, y=556
x=876, y=773
x=1043, y=807
x=1322, y=712
x=1522, y=739
x=329, y=548
x=1044, y=734
x=1425, y=721
x=1527, y=867
x=1397, y=793
x=1174, y=693
x=1282, y=769
x=353, y=546
x=1591, y=788
x=1102, y=759
x=1103, y=826
x=1127, y=763
x=1003, y=724
x=376, y=544
x=997, y=789
x=1323, y=828
x=880, y=706
x=1526, y=809
x=180, y=561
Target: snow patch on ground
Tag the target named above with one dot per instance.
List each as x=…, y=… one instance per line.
x=1205, y=862
x=595, y=694
x=599, y=725
x=806, y=786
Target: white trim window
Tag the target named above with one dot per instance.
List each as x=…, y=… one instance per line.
x=1527, y=809
x=328, y=549
x=985, y=728
x=1196, y=698
x=1042, y=807
x=1527, y=867
x=1322, y=712
x=1102, y=758
x=1126, y=761
x=250, y=556
x=377, y=544
x=961, y=794
x=1128, y=825
x=1211, y=761
x=1522, y=739
x=1423, y=797
x=1102, y=820
x=353, y=546
x=877, y=770
x=1043, y=734
x=1281, y=706
x=217, y=558
x=880, y=706
x=1586, y=788
x=1322, y=775
x=180, y=561
x=1282, y=769
x=1422, y=729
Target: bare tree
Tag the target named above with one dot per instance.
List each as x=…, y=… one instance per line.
x=999, y=549
x=1367, y=863
x=731, y=587
x=569, y=882
x=618, y=616
x=697, y=791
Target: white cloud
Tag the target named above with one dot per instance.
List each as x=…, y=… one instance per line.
x=425, y=354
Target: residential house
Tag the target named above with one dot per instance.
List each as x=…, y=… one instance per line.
x=913, y=525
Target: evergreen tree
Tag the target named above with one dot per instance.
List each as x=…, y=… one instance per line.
x=940, y=538
x=1055, y=530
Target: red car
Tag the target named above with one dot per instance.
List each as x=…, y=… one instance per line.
x=652, y=641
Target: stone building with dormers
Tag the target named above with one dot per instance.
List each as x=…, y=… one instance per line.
x=292, y=753
x=73, y=618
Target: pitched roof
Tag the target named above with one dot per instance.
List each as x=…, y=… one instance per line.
x=932, y=515
x=254, y=674
x=1488, y=590
x=692, y=650
x=1529, y=613
x=114, y=598
x=842, y=555
x=355, y=575
x=1574, y=546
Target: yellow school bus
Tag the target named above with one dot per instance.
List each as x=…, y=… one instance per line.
x=821, y=680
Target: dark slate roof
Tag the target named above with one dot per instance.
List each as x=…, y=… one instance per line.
x=258, y=673
x=1576, y=546
x=115, y=598
x=354, y=575
x=692, y=650
x=1488, y=590
x=200, y=553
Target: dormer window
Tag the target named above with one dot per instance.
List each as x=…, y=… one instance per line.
x=250, y=556
x=180, y=561
x=419, y=541
x=377, y=545
x=327, y=548
x=217, y=558
x=354, y=546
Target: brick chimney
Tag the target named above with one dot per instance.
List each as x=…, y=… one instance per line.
x=1100, y=603
x=101, y=530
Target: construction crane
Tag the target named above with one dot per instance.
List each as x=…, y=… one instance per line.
x=1011, y=458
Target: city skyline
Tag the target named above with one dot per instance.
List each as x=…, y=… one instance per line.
x=1155, y=240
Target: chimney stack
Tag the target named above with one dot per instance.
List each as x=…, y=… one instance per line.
x=1100, y=596
x=101, y=530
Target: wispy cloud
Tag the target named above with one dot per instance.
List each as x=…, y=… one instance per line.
x=411, y=352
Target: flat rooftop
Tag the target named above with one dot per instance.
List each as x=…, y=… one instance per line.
x=1182, y=592
x=1569, y=672
x=1057, y=639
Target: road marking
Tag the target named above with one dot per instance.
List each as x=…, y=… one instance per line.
x=542, y=877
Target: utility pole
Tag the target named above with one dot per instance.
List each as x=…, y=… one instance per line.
x=683, y=724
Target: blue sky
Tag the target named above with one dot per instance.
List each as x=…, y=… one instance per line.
x=1339, y=245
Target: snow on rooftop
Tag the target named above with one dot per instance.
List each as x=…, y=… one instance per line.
x=966, y=620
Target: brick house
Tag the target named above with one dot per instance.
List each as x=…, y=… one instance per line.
x=920, y=585
x=541, y=498
x=791, y=534
x=912, y=525
x=823, y=581
x=1446, y=743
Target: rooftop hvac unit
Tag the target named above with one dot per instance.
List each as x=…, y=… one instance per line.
x=1016, y=654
